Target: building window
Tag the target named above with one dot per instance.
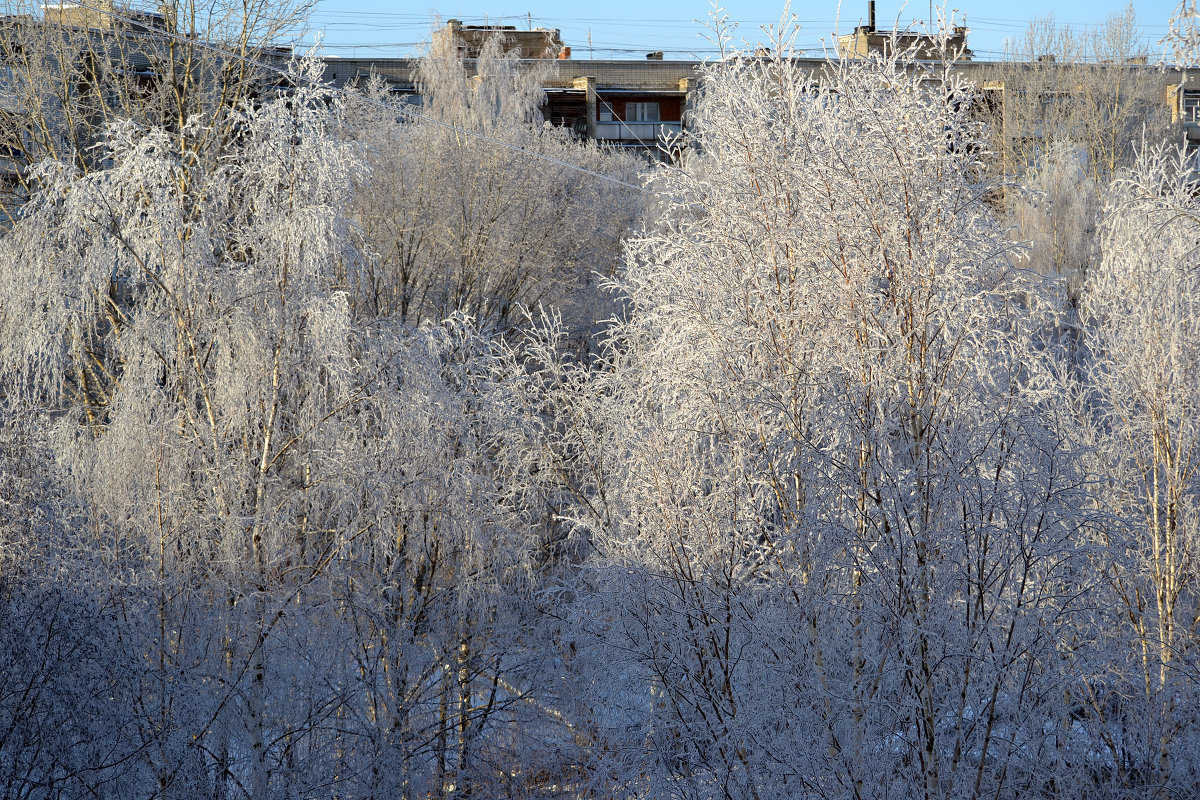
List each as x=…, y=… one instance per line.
x=1191, y=108
x=1055, y=102
x=641, y=112
x=606, y=112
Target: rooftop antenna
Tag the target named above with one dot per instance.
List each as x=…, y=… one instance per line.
x=590, y=53
x=529, y=19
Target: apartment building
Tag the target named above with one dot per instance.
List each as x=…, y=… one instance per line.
x=634, y=104
x=639, y=104
x=867, y=40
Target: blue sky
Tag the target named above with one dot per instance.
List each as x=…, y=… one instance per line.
x=629, y=29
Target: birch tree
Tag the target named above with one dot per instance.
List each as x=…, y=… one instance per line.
x=1095, y=90
x=292, y=503
x=1139, y=307
x=69, y=77
x=208, y=296
x=835, y=553
x=1074, y=105
x=478, y=205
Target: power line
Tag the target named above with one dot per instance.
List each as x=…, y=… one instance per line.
x=669, y=35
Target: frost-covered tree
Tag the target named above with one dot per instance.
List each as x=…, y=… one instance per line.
x=1141, y=397
x=1056, y=211
x=72, y=70
x=208, y=296
x=290, y=509
x=477, y=205
x=1072, y=108
x=1093, y=89
x=832, y=516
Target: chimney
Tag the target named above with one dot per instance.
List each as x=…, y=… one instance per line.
x=871, y=15
x=655, y=56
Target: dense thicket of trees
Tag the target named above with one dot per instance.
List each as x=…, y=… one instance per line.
x=309, y=489
x=1075, y=108
x=510, y=223
x=181, y=62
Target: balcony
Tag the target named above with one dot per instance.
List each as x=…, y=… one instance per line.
x=645, y=133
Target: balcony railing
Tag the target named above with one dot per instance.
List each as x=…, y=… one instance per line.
x=632, y=132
